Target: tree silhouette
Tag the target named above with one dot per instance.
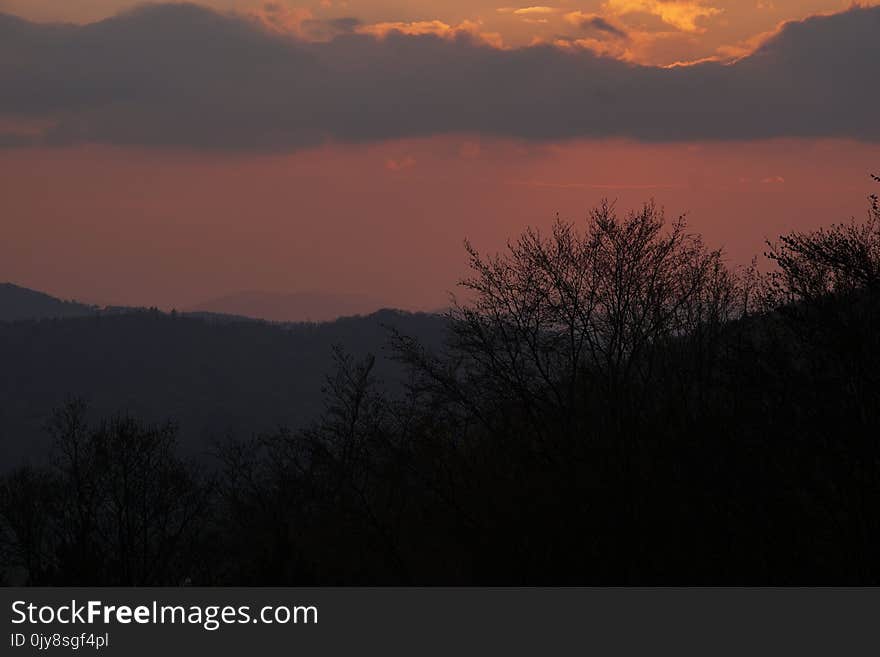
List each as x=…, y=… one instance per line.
x=613, y=405
x=117, y=506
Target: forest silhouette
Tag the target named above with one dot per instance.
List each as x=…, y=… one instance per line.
x=612, y=403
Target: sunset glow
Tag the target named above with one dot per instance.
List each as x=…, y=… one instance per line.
x=265, y=131
x=389, y=294
x=176, y=228
x=657, y=32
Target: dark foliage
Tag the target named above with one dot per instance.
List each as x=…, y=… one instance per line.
x=117, y=506
x=213, y=375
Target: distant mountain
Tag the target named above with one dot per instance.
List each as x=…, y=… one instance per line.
x=293, y=307
x=19, y=303
x=211, y=375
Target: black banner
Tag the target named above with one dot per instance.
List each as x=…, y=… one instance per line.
x=442, y=621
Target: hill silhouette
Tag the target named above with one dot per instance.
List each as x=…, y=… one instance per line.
x=214, y=374
x=21, y=303
x=293, y=307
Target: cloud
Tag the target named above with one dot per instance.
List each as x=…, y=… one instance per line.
x=184, y=76
x=415, y=28
x=528, y=11
x=315, y=29
x=435, y=28
x=681, y=14
x=531, y=11
x=279, y=17
x=538, y=15
x=597, y=23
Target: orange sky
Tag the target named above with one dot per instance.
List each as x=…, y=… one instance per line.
x=190, y=214
x=658, y=31
x=174, y=228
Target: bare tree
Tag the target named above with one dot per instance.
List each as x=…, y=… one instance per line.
x=813, y=265
x=118, y=505
x=575, y=316
x=28, y=504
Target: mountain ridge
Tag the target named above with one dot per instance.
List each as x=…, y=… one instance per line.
x=214, y=375
x=22, y=303
x=287, y=306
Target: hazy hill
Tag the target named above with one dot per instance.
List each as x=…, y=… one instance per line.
x=21, y=303
x=211, y=375
x=295, y=307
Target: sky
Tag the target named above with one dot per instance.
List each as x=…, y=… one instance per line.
x=646, y=31
x=169, y=154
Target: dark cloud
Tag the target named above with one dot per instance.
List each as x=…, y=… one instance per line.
x=602, y=25
x=345, y=24
x=186, y=76
x=323, y=30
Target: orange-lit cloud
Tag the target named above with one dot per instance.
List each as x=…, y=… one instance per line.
x=283, y=18
x=528, y=11
x=664, y=31
x=200, y=89
x=435, y=28
x=685, y=15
